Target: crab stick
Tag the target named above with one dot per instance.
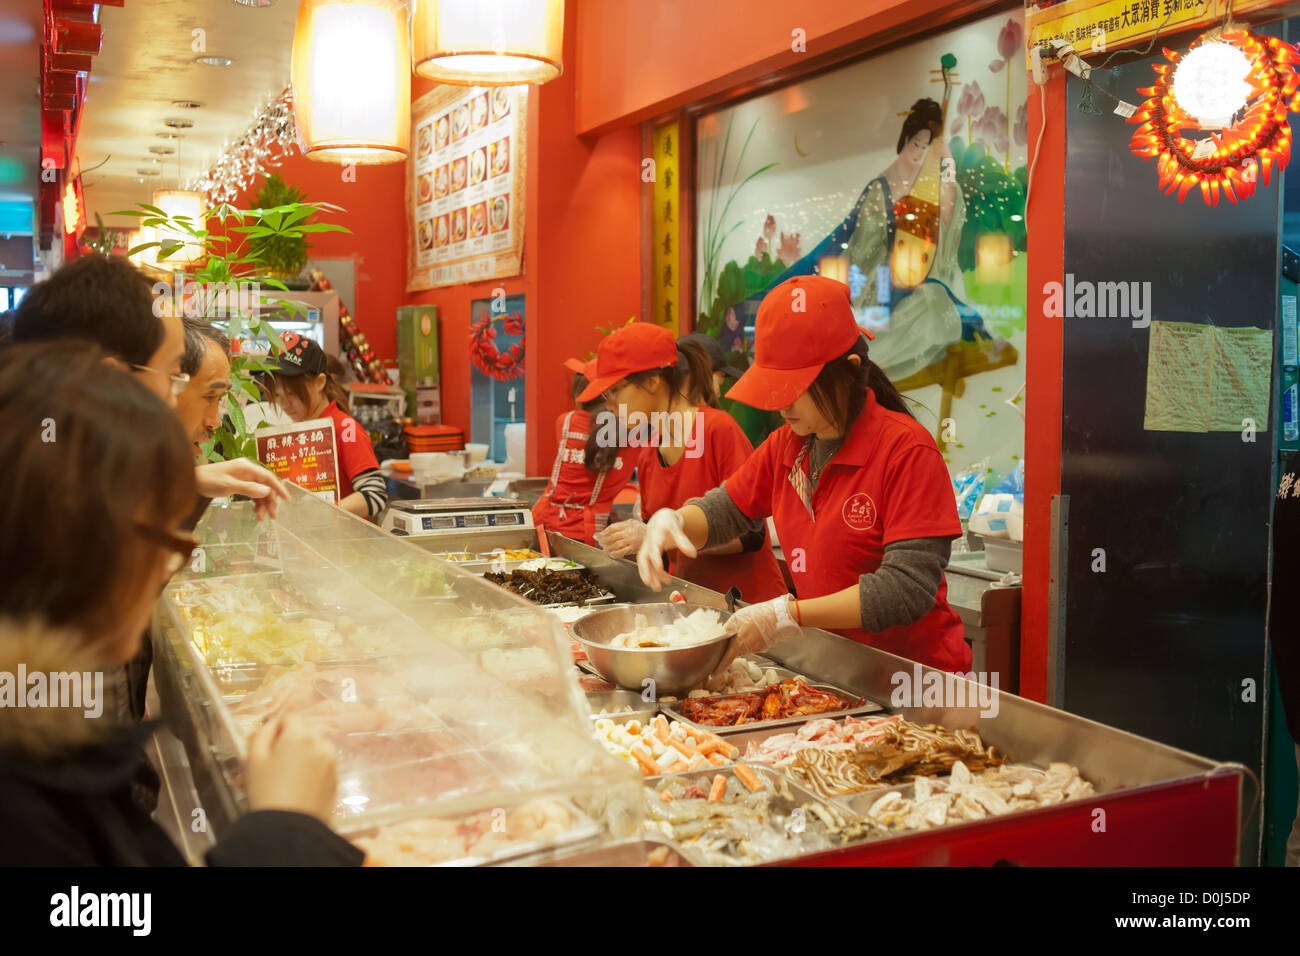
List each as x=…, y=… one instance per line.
x=716, y=759
x=680, y=766
x=718, y=789
x=748, y=778
x=648, y=766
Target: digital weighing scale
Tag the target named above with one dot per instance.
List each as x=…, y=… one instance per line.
x=471, y=524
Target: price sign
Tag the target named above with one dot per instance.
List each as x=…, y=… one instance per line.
x=305, y=453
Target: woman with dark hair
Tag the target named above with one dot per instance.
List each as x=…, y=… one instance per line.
x=81, y=578
x=659, y=387
x=304, y=388
x=857, y=488
x=586, y=476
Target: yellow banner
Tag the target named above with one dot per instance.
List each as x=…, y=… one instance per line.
x=666, y=226
x=1099, y=26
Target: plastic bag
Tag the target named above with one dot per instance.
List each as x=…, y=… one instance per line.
x=968, y=485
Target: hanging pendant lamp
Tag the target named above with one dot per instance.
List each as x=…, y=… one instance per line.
x=352, y=81
x=488, y=42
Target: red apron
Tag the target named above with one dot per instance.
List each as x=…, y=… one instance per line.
x=577, y=502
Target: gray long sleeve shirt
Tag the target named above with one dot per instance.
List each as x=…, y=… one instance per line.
x=901, y=591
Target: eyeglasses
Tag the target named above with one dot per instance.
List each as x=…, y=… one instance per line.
x=182, y=546
x=179, y=380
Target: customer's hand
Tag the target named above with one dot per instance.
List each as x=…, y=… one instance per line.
x=757, y=627
x=664, y=531
x=622, y=538
x=240, y=476
x=291, y=767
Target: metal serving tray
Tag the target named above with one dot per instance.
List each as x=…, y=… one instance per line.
x=798, y=797
x=584, y=828
x=622, y=704
x=673, y=710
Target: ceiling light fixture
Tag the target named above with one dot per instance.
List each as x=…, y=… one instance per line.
x=472, y=43
x=176, y=122
x=254, y=3
x=352, y=80
x=162, y=150
x=208, y=60
x=186, y=104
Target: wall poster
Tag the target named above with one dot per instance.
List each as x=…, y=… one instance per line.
x=465, y=185
x=841, y=174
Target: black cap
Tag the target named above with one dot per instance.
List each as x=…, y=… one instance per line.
x=301, y=356
x=714, y=350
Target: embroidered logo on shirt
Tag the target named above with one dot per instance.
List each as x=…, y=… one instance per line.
x=859, y=512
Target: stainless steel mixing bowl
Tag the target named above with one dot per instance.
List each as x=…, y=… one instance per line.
x=675, y=670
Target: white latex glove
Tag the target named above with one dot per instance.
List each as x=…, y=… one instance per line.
x=665, y=531
x=622, y=538
x=757, y=627
x=240, y=476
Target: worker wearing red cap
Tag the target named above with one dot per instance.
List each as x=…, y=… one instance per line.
x=659, y=387
x=857, y=488
x=585, y=478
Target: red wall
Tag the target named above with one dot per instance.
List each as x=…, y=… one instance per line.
x=373, y=211
x=581, y=258
x=1046, y=263
x=726, y=47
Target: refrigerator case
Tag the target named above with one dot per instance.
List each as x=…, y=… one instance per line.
x=461, y=732
x=417, y=350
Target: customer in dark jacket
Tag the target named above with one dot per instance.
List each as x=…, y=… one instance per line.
x=96, y=485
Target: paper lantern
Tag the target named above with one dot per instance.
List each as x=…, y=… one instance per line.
x=352, y=81
x=834, y=267
x=489, y=42
x=993, y=255
x=176, y=203
x=1246, y=116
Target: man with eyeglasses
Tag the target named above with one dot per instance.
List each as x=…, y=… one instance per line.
x=107, y=301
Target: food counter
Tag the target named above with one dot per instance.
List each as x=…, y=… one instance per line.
x=467, y=734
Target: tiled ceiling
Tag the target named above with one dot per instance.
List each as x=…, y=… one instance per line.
x=147, y=62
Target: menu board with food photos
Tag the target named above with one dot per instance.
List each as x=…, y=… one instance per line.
x=465, y=191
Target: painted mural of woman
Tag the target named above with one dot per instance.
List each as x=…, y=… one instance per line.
x=900, y=240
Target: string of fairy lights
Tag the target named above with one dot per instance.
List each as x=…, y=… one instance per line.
x=254, y=153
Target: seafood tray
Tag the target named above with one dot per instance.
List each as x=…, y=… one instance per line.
x=791, y=822
x=582, y=828
x=553, y=589
x=639, y=852
x=674, y=710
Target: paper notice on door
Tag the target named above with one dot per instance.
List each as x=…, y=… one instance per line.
x=1201, y=378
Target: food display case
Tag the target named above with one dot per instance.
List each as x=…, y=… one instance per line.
x=461, y=732
x=466, y=733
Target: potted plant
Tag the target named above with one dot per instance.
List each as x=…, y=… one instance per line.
x=230, y=287
x=284, y=256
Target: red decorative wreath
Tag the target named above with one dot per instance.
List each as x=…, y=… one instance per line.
x=1233, y=159
x=502, y=366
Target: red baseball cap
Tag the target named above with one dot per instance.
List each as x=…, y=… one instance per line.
x=638, y=347
x=581, y=366
x=802, y=324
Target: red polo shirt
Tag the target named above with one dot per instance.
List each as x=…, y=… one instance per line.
x=356, y=453
x=722, y=449
x=886, y=483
